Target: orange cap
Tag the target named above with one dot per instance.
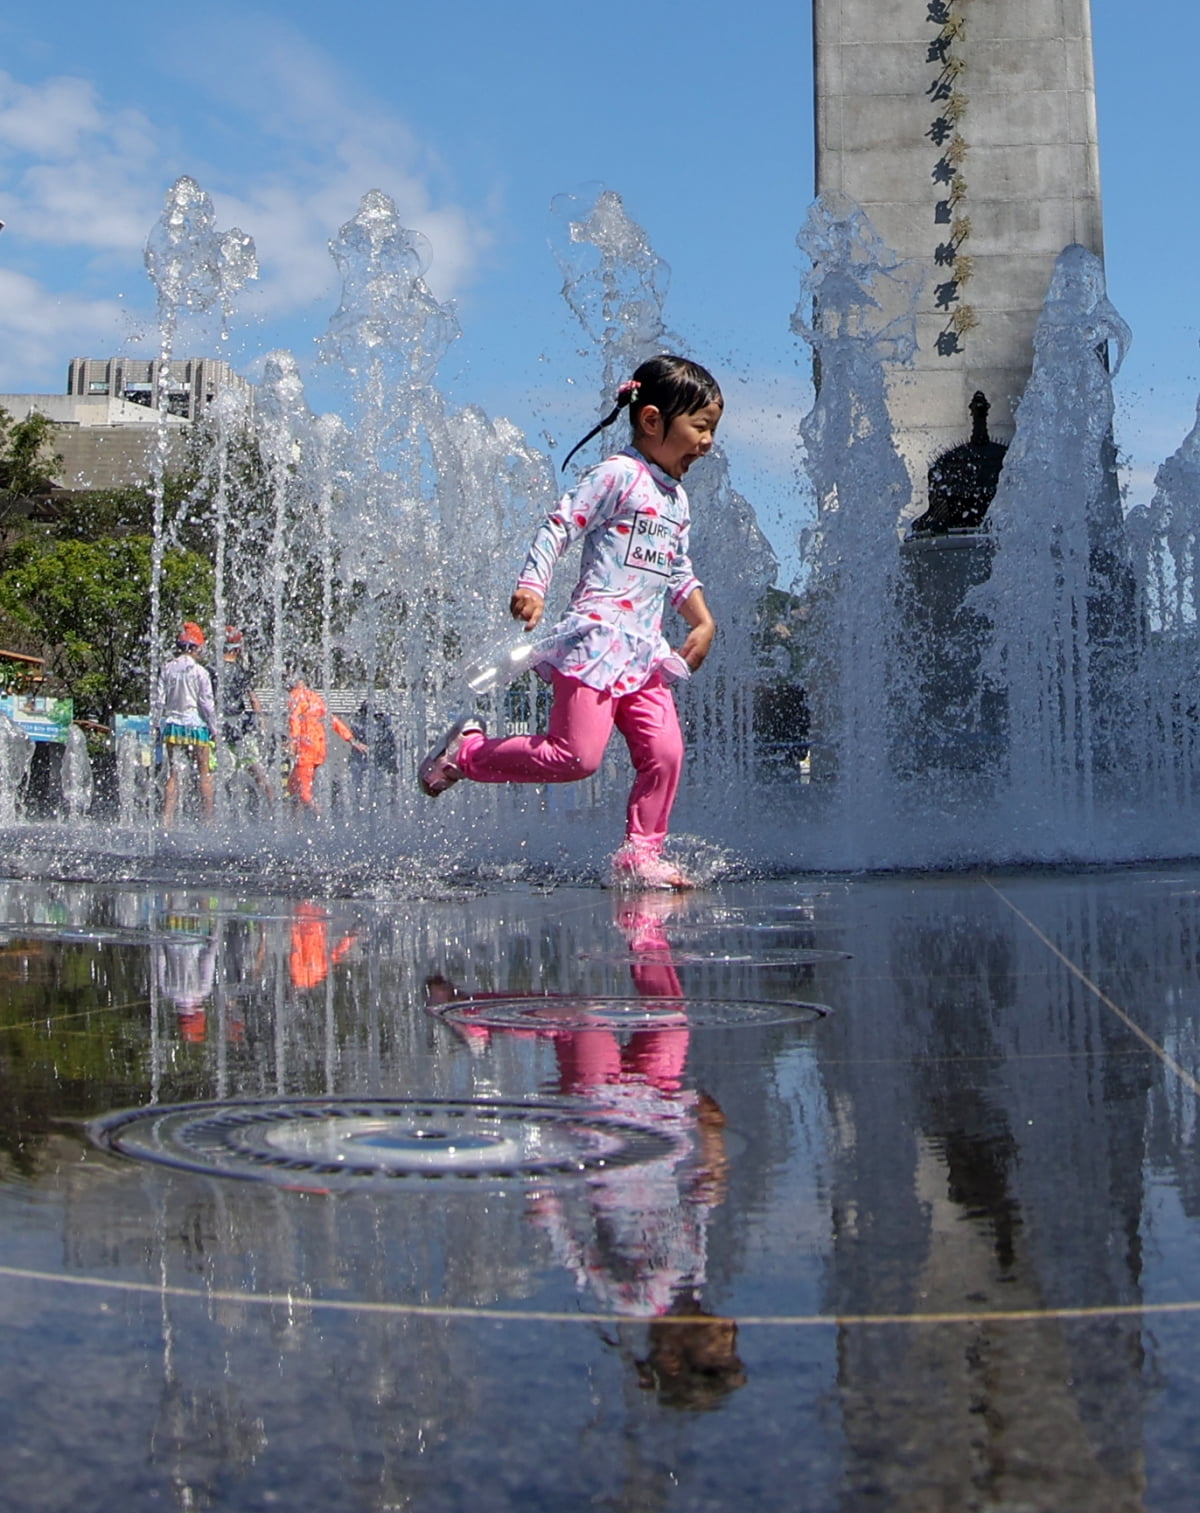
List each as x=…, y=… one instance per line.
x=191, y=634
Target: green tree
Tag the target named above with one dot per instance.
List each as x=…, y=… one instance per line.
x=89, y=514
x=27, y=459
x=93, y=513
x=87, y=604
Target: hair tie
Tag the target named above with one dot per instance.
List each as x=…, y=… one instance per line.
x=629, y=390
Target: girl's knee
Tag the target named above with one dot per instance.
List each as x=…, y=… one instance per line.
x=663, y=759
x=577, y=765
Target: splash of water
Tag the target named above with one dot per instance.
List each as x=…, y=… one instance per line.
x=433, y=499
x=380, y=552
x=77, y=780
x=858, y=312
x=1060, y=595
x=195, y=268
x=16, y=753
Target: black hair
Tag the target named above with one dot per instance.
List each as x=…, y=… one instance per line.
x=673, y=385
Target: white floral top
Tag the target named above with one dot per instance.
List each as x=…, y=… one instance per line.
x=634, y=522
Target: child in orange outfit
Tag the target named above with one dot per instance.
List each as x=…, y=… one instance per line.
x=306, y=732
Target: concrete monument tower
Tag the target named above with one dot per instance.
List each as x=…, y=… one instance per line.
x=966, y=129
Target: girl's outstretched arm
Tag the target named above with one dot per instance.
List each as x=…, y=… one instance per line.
x=703, y=628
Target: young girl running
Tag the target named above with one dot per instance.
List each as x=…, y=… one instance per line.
x=607, y=659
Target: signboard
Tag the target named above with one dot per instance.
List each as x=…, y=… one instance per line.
x=132, y=724
x=137, y=727
x=41, y=718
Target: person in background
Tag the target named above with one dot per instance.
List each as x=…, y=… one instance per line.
x=186, y=719
x=373, y=746
x=306, y=734
x=240, y=711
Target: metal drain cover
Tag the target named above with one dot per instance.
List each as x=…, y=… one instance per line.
x=560, y=1015
x=361, y=1142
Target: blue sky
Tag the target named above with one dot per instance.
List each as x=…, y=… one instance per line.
x=473, y=115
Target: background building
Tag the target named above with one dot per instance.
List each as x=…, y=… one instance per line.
x=967, y=131
x=106, y=424
x=192, y=383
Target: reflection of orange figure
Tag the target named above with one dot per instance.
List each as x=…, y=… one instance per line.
x=311, y=958
x=306, y=732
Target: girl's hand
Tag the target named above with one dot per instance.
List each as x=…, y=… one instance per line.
x=526, y=604
x=698, y=644
x=703, y=629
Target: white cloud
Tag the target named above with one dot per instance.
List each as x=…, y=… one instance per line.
x=82, y=176
x=301, y=146
x=39, y=331
x=47, y=120
x=329, y=144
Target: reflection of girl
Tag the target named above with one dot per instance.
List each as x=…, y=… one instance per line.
x=636, y=1236
x=692, y=1361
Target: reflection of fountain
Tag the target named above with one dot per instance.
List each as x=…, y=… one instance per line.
x=906, y=1159
x=979, y=1215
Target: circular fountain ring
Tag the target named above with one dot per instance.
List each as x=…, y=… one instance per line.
x=585, y=1012
x=355, y=1143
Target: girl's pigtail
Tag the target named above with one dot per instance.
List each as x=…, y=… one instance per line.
x=626, y=395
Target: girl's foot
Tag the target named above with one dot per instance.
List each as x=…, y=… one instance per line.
x=634, y=867
x=440, y=769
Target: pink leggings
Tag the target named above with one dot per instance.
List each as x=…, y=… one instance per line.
x=581, y=721
x=588, y=1060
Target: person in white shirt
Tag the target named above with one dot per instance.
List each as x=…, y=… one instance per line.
x=186, y=718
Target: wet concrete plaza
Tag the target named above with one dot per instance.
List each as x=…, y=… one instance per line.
x=823, y=1193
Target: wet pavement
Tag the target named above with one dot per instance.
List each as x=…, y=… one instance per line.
x=826, y=1193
